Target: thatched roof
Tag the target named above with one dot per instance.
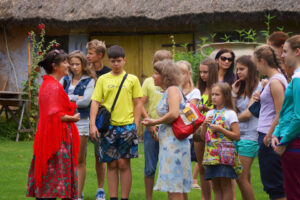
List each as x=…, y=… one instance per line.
x=111, y=12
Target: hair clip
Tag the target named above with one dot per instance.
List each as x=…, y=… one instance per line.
x=56, y=52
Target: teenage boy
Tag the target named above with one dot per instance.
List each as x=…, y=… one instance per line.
x=152, y=96
x=120, y=143
x=96, y=51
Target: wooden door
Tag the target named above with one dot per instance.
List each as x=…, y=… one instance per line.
x=139, y=49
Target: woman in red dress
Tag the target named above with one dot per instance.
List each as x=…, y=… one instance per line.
x=53, y=172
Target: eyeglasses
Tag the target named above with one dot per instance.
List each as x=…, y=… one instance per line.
x=223, y=58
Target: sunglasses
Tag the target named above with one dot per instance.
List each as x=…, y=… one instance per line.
x=223, y=58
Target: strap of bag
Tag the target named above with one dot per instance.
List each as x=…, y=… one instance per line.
x=119, y=90
x=184, y=97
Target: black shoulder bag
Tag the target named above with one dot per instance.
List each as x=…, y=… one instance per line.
x=103, y=115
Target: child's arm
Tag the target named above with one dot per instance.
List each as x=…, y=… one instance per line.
x=246, y=115
x=233, y=134
x=137, y=102
x=205, y=124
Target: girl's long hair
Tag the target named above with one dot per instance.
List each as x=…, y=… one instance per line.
x=226, y=92
x=250, y=83
x=212, y=76
x=86, y=70
x=267, y=53
x=186, y=66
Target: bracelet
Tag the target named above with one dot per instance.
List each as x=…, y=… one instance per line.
x=234, y=95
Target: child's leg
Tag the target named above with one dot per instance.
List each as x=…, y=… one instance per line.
x=217, y=188
x=244, y=179
x=195, y=174
x=125, y=177
x=112, y=178
x=81, y=163
x=226, y=187
x=205, y=185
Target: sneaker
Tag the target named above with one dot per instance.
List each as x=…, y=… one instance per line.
x=100, y=195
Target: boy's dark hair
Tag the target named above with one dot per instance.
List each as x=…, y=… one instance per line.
x=116, y=51
x=53, y=57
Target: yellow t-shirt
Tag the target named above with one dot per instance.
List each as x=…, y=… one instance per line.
x=204, y=101
x=105, y=92
x=154, y=95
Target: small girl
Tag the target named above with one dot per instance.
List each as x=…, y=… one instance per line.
x=193, y=95
x=221, y=128
x=208, y=75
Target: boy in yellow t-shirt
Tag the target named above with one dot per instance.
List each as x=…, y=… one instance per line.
x=120, y=142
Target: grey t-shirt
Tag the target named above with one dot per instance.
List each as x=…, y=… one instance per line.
x=248, y=129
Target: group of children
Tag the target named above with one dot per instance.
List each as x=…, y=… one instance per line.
x=224, y=146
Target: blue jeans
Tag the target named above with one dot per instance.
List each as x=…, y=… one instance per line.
x=270, y=169
x=151, y=150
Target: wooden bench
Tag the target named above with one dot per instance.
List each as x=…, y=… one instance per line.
x=10, y=100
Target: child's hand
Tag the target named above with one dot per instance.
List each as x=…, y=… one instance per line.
x=264, y=82
x=280, y=150
x=208, y=120
x=236, y=86
x=215, y=128
x=148, y=122
x=256, y=96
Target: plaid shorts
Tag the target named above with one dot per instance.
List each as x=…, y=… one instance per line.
x=119, y=142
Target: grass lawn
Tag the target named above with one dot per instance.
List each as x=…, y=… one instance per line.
x=15, y=160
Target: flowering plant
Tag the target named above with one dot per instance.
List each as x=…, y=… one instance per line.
x=31, y=86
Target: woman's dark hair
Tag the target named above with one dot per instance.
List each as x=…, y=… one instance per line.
x=52, y=57
x=250, y=83
x=229, y=76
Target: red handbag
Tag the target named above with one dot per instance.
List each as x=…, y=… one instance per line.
x=188, y=121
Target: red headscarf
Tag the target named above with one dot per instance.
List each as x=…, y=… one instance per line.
x=53, y=104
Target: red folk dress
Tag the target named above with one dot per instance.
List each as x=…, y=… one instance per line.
x=53, y=170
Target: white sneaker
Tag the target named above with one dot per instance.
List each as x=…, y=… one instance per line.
x=100, y=195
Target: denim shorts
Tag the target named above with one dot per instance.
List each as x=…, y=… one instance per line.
x=247, y=148
x=216, y=171
x=151, y=151
x=118, y=142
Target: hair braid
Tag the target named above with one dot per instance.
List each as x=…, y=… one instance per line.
x=278, y=62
